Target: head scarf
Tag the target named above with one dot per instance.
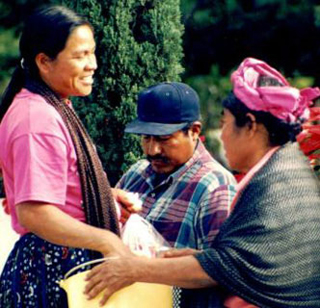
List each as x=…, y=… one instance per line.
x=278, y=98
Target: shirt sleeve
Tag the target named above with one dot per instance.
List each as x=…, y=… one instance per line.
x=40, y=168
x=212, y=212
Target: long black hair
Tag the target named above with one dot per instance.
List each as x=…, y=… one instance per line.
x=45, y=31
x=280, y=132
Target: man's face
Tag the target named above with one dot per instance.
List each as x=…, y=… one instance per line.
x=167, y=153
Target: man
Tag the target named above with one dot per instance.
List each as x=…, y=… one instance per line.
x=186, y=194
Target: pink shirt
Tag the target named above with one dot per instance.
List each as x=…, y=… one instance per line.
x=38, y=158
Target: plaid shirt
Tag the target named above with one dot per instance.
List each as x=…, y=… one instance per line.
x=189, y=206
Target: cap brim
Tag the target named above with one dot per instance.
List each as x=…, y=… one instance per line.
x=152, y=128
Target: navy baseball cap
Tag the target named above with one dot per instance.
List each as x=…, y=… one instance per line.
x=164, y=109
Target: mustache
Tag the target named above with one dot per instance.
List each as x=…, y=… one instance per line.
x=158, y=158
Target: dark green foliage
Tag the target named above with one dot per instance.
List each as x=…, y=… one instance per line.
x=138, y=44
x=212, y=89
x=220, y=34
x=282, y=32
x=12, y=13
x=8, y=56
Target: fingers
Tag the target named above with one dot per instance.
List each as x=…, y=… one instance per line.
x=109, y=277
x=121, y=196
x=94, y=271
x=128, y=200
x=125, y=214
x=94, y=280
x=95, y=287
x=111, y=290
x=105, y=297
x=175, y=253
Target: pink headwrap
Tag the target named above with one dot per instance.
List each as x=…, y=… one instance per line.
x=286, y=102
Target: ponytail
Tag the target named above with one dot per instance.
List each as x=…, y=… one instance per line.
x=15, y=85
x=45, y=31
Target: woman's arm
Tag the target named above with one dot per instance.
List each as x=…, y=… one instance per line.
x=115, y=274
x=50, y=223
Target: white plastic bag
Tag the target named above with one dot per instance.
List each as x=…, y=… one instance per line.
x=142, y=238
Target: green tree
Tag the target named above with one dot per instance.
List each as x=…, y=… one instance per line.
x=139, y=43
x=12, y=13
x=220, y=34
x=282, y=32
x=8, y=56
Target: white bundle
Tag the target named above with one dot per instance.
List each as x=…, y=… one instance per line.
x=142, y=238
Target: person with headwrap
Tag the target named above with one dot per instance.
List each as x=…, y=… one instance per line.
x=266, y=253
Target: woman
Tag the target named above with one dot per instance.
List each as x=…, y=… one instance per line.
x=59, y=197
x=267, y=252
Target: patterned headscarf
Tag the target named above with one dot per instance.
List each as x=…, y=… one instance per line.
x=262, y=88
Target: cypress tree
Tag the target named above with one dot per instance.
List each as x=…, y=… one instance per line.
x=139, y=43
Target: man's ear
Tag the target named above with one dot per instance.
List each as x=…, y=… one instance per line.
x=195, y=129
x=43, y=62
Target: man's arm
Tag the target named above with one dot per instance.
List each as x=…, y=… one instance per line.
x=115, y=274
x=50, y=223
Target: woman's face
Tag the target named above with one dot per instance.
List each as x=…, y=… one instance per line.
x=235, y=142
x=71, y=72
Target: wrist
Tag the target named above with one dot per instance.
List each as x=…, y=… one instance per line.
x=138, y=266
x=112, y=244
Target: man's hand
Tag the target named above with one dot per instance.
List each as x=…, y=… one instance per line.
x=175, y=253
x=128, y=203
x=111, y=276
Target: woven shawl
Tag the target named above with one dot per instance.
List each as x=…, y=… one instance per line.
x=97, y=198
x=268, y=250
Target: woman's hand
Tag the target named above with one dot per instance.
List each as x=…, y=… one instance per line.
x=110, y=276
x=116, y=273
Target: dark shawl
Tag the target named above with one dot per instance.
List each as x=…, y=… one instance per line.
x=268, y=250
x=98, y=203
